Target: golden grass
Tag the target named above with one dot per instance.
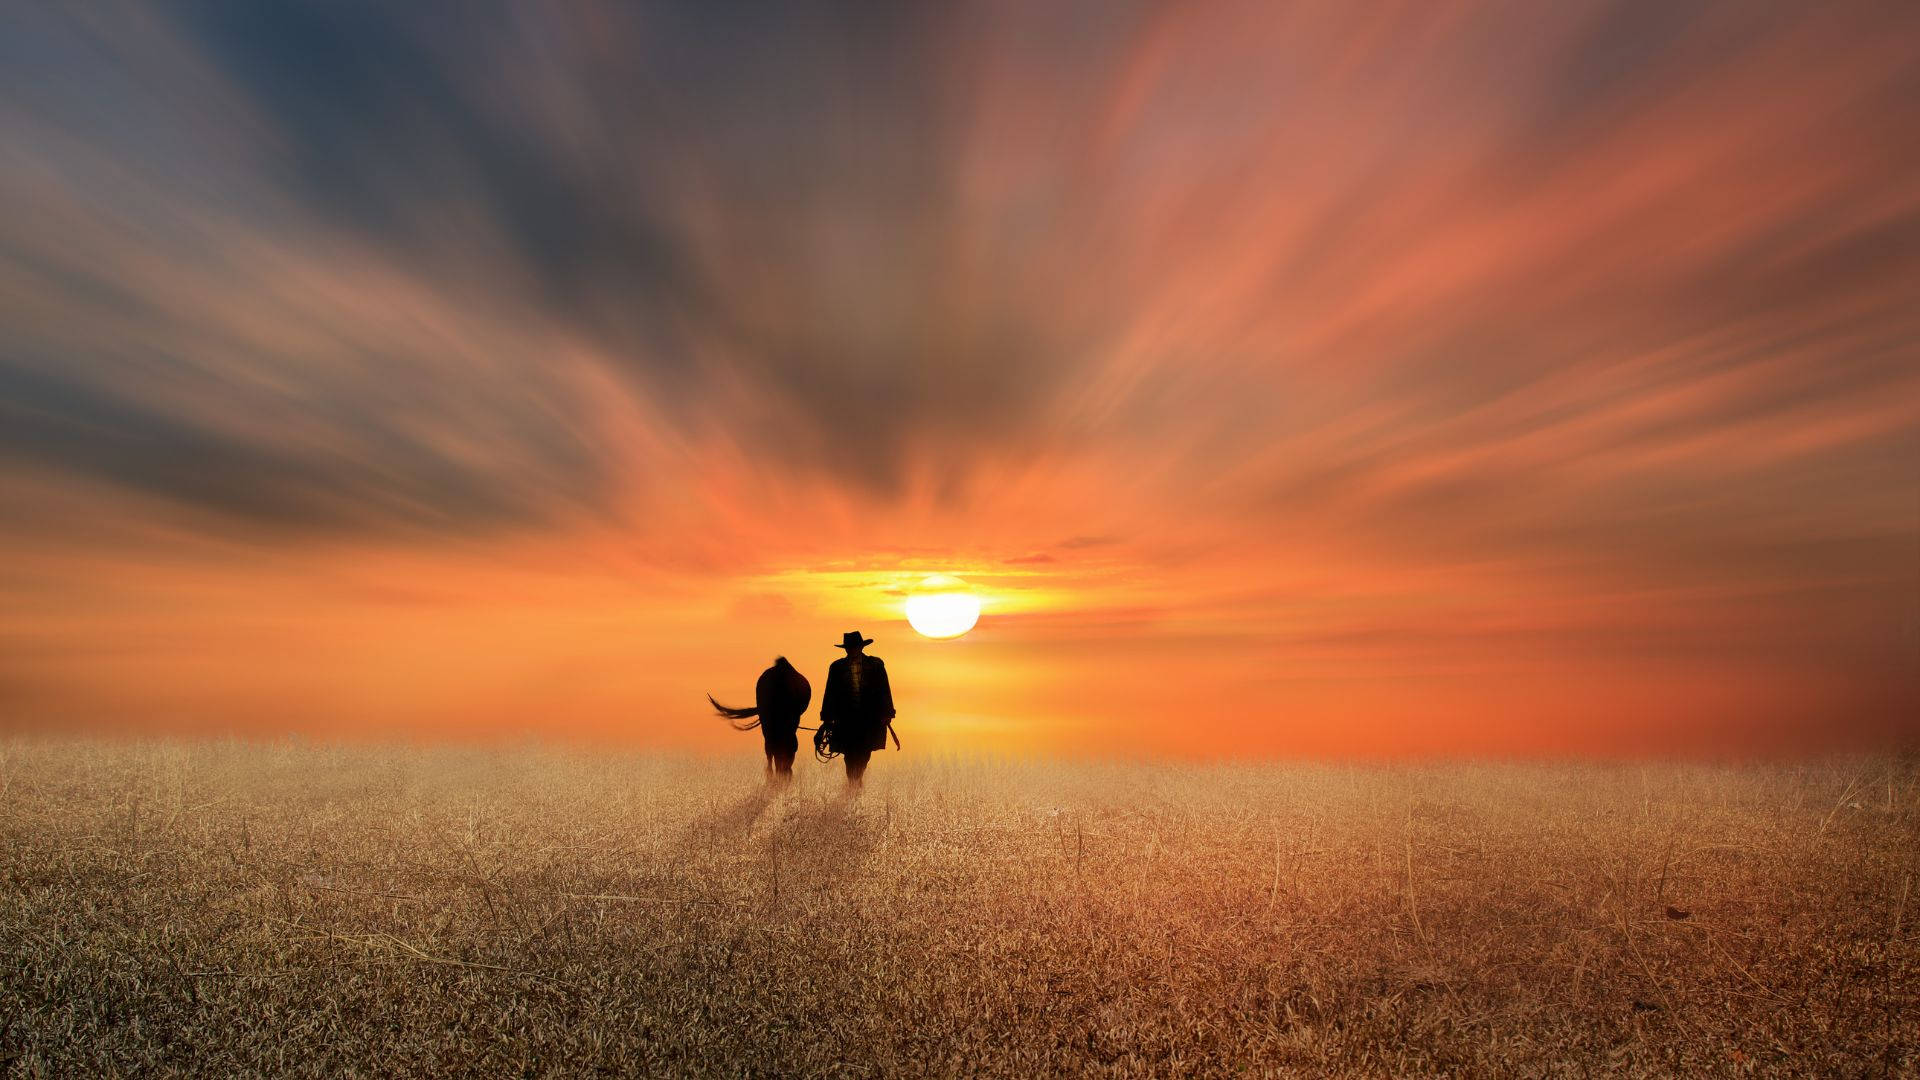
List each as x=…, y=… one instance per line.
x=212, y=908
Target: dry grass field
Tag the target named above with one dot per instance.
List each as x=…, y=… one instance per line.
x=214, y=908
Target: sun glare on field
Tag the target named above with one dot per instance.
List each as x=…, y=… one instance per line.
x=942, y=606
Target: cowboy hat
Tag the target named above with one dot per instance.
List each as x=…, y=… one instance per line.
x=852, y=638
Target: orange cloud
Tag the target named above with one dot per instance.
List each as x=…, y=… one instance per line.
x=1477, y=379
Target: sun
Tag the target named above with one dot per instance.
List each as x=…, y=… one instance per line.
x=942, y=606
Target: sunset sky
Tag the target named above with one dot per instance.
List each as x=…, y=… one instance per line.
x=1289, y=379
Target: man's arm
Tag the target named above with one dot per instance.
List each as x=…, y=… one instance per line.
x=833, y=701
x=882, y=691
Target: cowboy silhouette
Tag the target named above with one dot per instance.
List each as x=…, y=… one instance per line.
x=856, y=713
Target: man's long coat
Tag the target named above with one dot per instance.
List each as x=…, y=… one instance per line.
x=857, y=721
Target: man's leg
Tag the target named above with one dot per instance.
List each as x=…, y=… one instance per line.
x=857, y=765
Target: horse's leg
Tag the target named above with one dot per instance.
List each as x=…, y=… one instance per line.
x=780, y=748
x=779, y=760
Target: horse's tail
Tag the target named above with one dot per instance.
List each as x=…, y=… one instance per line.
x=735, y=715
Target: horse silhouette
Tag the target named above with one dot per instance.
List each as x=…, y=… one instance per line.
x=780, y=698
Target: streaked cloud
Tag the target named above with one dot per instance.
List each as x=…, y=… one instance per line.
x=1391, y=368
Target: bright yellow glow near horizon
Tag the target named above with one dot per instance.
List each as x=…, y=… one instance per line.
x=943, y=606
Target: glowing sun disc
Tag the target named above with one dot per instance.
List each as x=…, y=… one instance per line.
x=942, y=607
